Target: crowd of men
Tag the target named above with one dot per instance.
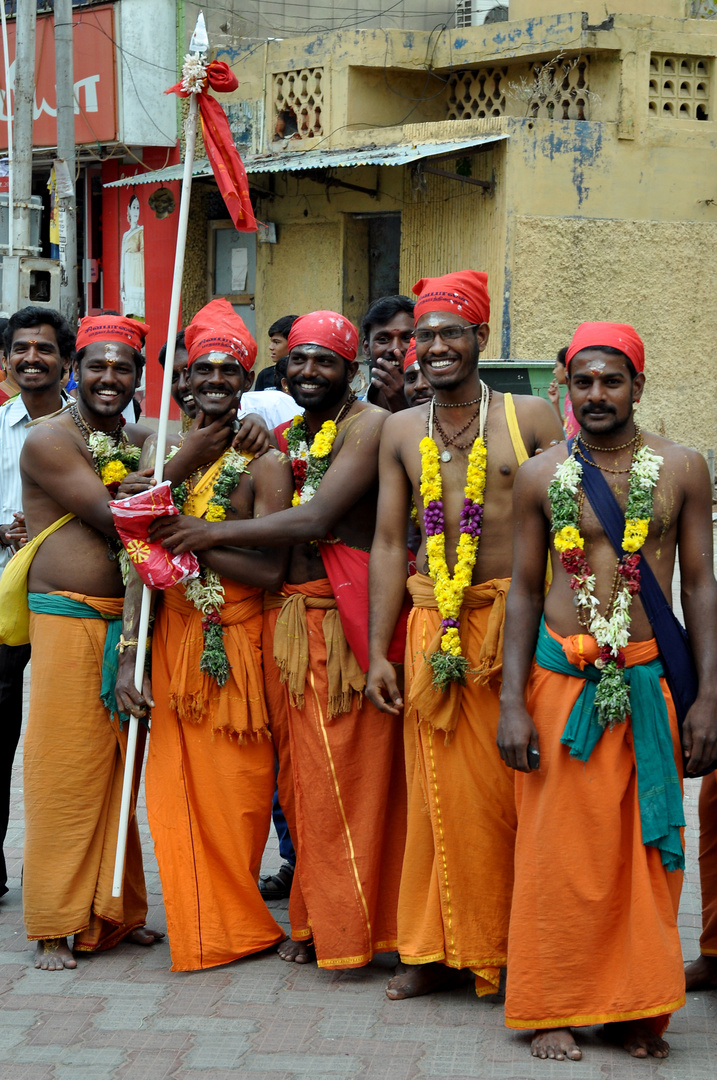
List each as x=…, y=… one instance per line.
x=431, y=633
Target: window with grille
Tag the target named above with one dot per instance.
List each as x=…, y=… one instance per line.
x=679, y=87
x=298, y=103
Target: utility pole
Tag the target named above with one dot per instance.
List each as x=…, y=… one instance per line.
x=64, y=78
x=24, y=102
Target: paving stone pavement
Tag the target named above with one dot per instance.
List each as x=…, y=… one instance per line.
x=123, y=1015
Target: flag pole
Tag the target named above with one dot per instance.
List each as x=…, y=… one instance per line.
x=198, y=46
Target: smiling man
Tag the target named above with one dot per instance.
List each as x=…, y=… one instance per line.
x=39, y=346
x=458, y=868
x=341, y=779
x=74, y=745
x=387, y=329
x=210, y=766
x=590, y=724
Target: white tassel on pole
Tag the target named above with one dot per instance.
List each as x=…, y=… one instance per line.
x=190, y=139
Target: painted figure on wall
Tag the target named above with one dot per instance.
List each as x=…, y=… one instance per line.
x=132, y=264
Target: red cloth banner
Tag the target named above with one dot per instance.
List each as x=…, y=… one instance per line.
x=223, y=156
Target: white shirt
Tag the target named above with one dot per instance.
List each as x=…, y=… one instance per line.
x=273, y=406
x=13, y=417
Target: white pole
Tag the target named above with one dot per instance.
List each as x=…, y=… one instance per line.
x=23, y=111
x=8, y=116
x=191, y=135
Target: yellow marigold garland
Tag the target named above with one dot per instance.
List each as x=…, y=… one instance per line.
x=449, y=664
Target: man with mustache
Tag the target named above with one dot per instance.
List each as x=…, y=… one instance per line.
x=38, y=347
x=71, y=465
x=457, y=874
x=387, y=329
x=416, y=388
x=341, y=780
x=590, y=724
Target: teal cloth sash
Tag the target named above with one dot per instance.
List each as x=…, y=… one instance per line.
x=48, y=604
x=658, y=785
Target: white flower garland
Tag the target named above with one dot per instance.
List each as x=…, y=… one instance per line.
x=611, y=633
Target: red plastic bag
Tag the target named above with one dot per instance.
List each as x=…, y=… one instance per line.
x=157, y=567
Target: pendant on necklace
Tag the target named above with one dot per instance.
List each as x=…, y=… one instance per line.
x=446, y=455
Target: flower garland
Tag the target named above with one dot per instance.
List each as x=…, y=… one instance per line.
x=611, y=631
x=449, y=665
x=114, y=458
x=206, y=592
x=309, y=459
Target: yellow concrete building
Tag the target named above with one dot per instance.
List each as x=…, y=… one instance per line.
x=570, y=155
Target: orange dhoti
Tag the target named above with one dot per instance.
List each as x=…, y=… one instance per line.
x=708, y=864
x=593, y=932
x=73, y=768
x=210, y=781
x=457, y=875
x=341, y=783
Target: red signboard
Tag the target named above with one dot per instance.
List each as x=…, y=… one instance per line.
x=94, y=79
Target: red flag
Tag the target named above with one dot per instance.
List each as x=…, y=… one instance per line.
x=223, y=156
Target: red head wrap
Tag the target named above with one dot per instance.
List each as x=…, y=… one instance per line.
x=622, y=336
x=111, y=328
x=464, y=293
x=328, y=329
x=410, y=358
x=218, y=328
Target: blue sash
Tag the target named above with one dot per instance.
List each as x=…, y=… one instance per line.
x=658, y=785
x=672, y=640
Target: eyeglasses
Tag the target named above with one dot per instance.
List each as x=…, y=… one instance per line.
x=445, y=333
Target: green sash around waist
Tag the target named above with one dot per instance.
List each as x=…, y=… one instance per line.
x=50, y=604
x=658, y=785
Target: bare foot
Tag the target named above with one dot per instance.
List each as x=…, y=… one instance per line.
x=53, y=955
x=701, y=974
x=555, y=1043
x=296, y=952
x=638, y=1038
x=144, y=936
x=418, y=979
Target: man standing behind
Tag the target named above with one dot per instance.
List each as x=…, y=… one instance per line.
x=599, y=853
x=701, y=974
x=39, y=346
x=278, y=349
x=348, y=821
x=75, y=598
x=387, y=329
x=458, y=868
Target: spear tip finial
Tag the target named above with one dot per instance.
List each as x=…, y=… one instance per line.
x=199, y=42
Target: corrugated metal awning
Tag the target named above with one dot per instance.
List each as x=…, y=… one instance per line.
x=302, y=161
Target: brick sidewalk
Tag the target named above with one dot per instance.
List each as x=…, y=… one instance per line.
x=122, y=1014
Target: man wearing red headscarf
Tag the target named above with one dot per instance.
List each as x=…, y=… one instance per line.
x=458, y=867
x=210, y=766
x=341, y=779
x=588, y=716
x=71, y=465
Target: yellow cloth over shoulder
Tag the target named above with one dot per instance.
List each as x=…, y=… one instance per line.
x=14, y=612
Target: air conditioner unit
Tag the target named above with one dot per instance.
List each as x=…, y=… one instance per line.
x=475, y=12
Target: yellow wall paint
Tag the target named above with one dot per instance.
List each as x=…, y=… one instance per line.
x=301, y=273
x=659, y=276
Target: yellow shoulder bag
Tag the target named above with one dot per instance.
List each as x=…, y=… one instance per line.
x=14, y=612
